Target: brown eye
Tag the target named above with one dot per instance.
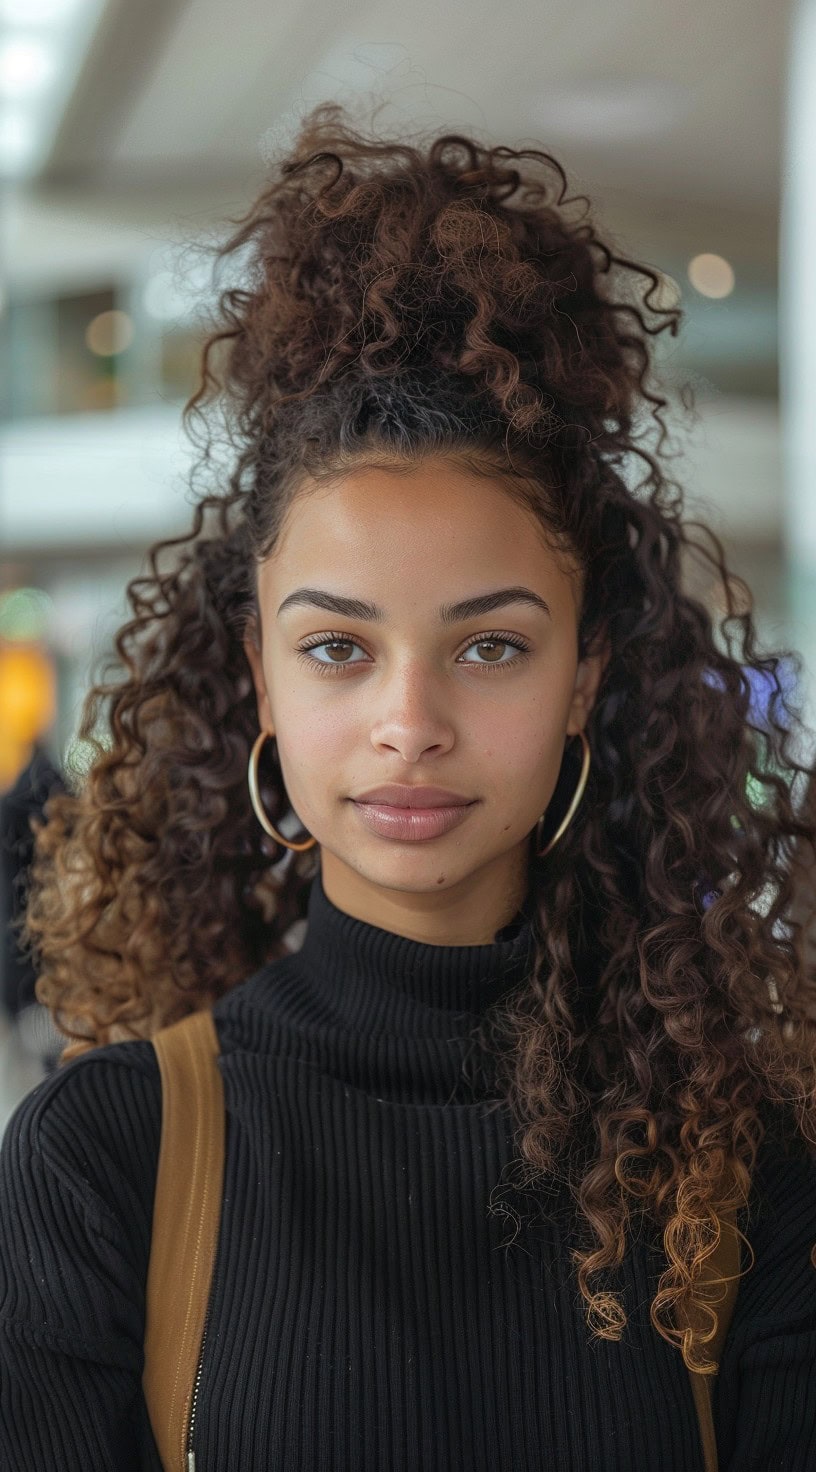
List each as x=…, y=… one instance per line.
x=333, y=643
x=496, y=644
x=493, y=646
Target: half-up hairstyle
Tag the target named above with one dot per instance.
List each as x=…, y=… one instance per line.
x=396, y=301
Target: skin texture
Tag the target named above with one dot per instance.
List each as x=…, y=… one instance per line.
x=418, y=702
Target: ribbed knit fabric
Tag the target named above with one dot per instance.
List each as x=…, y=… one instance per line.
x=368, y=1313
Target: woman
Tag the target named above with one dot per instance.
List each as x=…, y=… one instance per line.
x=544, y=1023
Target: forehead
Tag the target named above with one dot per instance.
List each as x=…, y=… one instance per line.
x=385, y=534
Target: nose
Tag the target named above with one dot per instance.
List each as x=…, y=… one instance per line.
x=413, y=714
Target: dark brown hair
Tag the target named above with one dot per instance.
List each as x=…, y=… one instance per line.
x=444, y=297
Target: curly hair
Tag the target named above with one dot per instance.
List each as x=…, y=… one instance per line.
x=441, y=296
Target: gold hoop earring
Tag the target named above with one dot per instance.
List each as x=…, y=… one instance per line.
x=571, y=810
x=255, y=797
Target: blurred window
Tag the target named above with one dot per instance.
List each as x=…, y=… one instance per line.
x=82, y=352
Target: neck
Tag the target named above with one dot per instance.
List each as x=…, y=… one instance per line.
x=471, y=913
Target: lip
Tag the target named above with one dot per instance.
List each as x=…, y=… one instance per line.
x=400, y=795
x=411, y=824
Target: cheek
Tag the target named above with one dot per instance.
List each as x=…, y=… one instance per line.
x=525, y=754
x=541, y=737
x=314, y=752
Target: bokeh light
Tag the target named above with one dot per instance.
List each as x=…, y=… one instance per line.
x=109, y=333
x=25, y=614
x=711, y=275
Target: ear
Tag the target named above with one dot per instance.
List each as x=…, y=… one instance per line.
x=254, y=656
x=587, y=680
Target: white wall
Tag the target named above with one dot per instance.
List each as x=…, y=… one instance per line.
x=92, y=478
x=120, y=476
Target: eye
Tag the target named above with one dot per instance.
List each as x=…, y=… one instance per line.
x=485, y=641
x=498, y=641
x=333, y=641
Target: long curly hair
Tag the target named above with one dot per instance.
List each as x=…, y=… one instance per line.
x=396, y=300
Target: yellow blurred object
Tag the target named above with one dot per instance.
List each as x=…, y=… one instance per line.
x=28, y=700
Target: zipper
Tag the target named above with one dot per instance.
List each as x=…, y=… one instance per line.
x=191, y=1458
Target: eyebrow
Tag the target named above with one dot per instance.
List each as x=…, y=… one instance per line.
x=449, y=613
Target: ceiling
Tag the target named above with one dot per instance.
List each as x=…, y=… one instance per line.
x=665, y=98
x=671, y=116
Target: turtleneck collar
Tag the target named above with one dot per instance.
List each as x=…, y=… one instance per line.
x=373, y=978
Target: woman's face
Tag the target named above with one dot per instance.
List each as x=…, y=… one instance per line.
x=414, y=697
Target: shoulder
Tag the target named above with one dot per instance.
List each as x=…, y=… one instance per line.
x=76, y=1090
x=77, y=1182
x=763, y=1395
x=93, y=1127
x=783, y=1188
x=778, y=1285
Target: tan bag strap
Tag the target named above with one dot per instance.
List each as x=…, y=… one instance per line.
x=724, y=1263
x=186, y=1219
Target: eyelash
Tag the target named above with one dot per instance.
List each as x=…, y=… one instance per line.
x=498, y=638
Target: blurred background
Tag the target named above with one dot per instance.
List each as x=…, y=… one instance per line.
x=129, y=133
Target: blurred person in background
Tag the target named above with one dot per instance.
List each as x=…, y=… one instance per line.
x=25, y=800
x=550, y=992
x=28, y=777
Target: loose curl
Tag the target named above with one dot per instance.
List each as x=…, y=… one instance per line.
x=398, y=301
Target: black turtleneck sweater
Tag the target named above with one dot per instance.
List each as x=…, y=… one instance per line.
x=368, y=1314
